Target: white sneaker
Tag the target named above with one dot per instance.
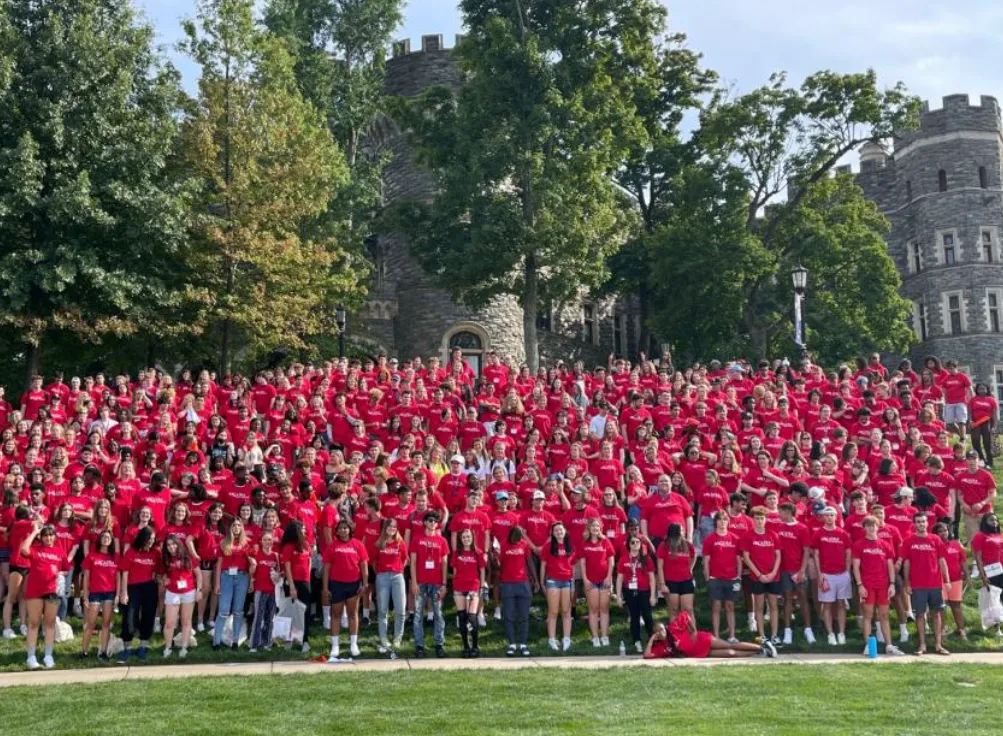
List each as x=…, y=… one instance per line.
x=552, y=643
x=903, y=635
x=167, y=652
x=841, y=639
x=48, y=661
x=604, y=641
x=383, y=647
x=24, y=630
x=156, y=626
x=639, y=647
x=832, y=640
x=335, y=651
x=788, y=637
x=732, y=640
x=894, y=650
x=183, y=653
x=595, y=642
x=866, y=653
x=201, y=627
x=809, y=636
x=354, y=650
x=33, y=663
x=481, y=621
x=566, y=643
x=879, y=636
x=497, y=614
x=9, y=634
x=397, y=642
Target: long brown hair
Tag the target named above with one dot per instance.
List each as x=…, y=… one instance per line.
x=385, y=537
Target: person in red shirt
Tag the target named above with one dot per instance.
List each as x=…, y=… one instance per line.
x=468, y=564
x=831, y=549
x=597, y=555
x=267, y=572
x=182, y=587
x=795, y=551
x=100, y=585
x=46, y=561
x=517, y=578
x=676, y=556
x=234, y=570
x=389, y=559
x=987, y=550
x=957, y=388
x=346, y=575
x=722, y=569
x=429, y=554
x=982, y=409
x=137, y=592
x=296, y=553
x=557, y=564
x=976, y=491
x=873, y=563
x=687, y=641
x=635, y=587
x=957, y=570
x=924, y=570
x=761, y=555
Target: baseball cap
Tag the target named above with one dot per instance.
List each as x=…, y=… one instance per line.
x=829, y=510
x=539, y=494
x=501, y=496
x=457, y=459
x=815, y=492
x=903, y=491
x=971, y=453
x=578, y=489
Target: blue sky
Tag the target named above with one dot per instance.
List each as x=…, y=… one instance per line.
x=936, y=48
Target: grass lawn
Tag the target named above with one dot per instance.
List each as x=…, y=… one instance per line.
x=793, y=699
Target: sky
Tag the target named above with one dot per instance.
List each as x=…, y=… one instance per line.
x=936, y=48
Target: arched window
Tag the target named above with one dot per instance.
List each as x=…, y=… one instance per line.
x=465, y=341
x=983, y=177
x=942, y=180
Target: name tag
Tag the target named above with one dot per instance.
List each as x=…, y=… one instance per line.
x=994, y=569
x=232, y=571
x=182, y=584
x=632, y=584
x=429, y=564
x=610, y=533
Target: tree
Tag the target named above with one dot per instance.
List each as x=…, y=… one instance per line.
x=266, y=164
x=664, y=88
x=524, y=156
x=339, y=51
x=790, y=140
x=90, y=223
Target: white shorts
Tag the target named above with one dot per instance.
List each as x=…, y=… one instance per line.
x=839, y=588
x=176, y=599
x=955, y=413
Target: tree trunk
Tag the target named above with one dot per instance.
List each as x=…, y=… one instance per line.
x=530, y=304
x=224, y=348
x=33, y=361
x=644, y=337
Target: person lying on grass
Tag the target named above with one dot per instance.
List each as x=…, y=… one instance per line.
x=682, y=639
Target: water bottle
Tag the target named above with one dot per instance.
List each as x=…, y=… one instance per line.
x=872, y=647
x=623, y=649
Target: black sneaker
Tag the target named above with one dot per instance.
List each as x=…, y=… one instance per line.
x=440, y=652
x=103, y=656
x=465, y=654
x=419, y=652
x=510, y=652
x=524, y=650
x=475, y=653
x=215, y=647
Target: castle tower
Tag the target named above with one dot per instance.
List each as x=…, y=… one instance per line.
x=941, y=191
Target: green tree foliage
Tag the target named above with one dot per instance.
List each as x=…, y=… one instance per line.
x=266, y=165
x=339, y=49
x=90, y=224
x=524, y=156
x=782, y=140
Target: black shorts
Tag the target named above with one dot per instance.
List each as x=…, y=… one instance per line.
x=683, y=587
x=22, y=571
x=771, y=588
x=207, y=565
x=341, y=592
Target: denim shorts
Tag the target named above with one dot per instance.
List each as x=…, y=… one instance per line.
x=5, y=554
x=100, y=597
x=558, y=584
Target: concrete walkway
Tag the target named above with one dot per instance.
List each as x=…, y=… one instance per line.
x=153, y=672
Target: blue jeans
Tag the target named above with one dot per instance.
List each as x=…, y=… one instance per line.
x=232, y=592
x=429, y=593
x=390, y=584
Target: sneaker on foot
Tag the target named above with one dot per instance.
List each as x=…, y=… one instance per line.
x=440, y=651
x=335, y=650
x=595, y=642
x=183, y=654
x=9, y=634
x=523, y=650
x=201, y=627
x=510, y=652
x=167, y=652
x=397, y=642
x=141, y=654
x=24, y=630
x=879, y=636
x=604, y=641
x=841, y=639
x=498, y=614
x=894, y=650
x=419, y=652
x=788, y=637
x=48, y=661
x=383, y=647
x=552, y=643
x=903, y=635
x=639, y=647
x=732, y=640
x=156, y=626
x=771, y=651
x=33, y=663
x=354, y=650
x=809, y=636
x=566, y=644
x=832, y=640
x=481, y=621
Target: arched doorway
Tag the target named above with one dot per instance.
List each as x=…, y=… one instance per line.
x=469, y=340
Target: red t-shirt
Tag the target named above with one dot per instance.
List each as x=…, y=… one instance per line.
x=44, y=566
x=467, y=566
x=299, y=562
x=661, y=511
x=955, y=387
x=874, y=556
x=140, y=564
x=676, y=568
x=103, y=568
x=236, y=560
x=513, y=562
x=180, y=579
x=976, y=487
x=267, y=562
x=990, y=546
x=537, y=525
x=636, y=574
x=597, y=556
x=392, y=557
x=430, y=556
x=762, y=550
x=345, y=560
x=793, y=539
x=924, y=555
x=560, y=566
x=722, y=551
x=955, y=555
x=832, y=546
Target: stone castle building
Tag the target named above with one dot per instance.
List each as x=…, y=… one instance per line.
x=408, y=315
x=942, y=191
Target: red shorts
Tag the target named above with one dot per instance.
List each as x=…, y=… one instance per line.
x=696, y=648
x=876, y=596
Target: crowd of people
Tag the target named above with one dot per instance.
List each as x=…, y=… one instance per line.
x=373, y=489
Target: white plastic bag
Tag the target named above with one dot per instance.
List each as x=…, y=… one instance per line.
x=228, y=633
x=989, y=606
x=193, y=641
x=290, y=618
x=64, y=632
x=115, y=645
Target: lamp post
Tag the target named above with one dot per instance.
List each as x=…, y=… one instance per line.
x=799, y=275
x=340, y=319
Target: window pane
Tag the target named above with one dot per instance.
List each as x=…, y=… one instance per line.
x=954, y=302
x=465, y=341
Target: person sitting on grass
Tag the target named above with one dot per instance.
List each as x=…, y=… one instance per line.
x=682, y=638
